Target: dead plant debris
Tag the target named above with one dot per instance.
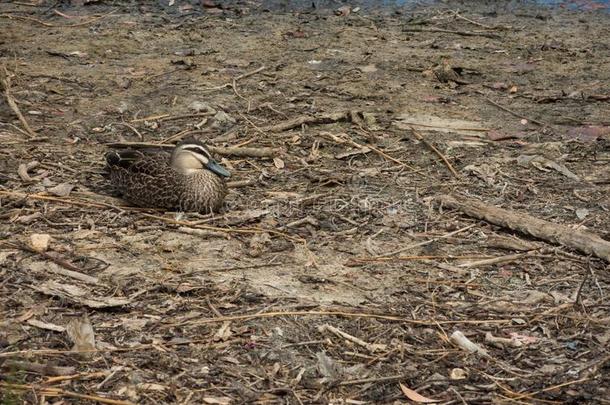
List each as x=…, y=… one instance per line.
x=429, y=231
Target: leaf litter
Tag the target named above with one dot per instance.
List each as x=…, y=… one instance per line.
x=334, y=275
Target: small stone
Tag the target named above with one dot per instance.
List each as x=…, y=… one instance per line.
x=40, y=241
x=581, y=213
x=458, y=374
x=368, y=68
x=222, y=119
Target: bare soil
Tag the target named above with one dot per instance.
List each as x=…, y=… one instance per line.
x=337, y=232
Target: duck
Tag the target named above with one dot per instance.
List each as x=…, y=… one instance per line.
x=188, y=179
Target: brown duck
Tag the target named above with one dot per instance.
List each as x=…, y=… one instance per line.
x=188, y=179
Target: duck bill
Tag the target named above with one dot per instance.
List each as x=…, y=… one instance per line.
x=218, y=169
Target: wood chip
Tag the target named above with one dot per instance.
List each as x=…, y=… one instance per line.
x=81, y=295
x=45, y=325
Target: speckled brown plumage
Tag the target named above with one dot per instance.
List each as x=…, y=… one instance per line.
x=149, y=180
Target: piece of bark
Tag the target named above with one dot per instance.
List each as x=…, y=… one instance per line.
x=78, y=294
x=586, y=242
x=44, y=369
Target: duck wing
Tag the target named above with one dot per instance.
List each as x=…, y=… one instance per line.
x=138, y=162
x=144, y=179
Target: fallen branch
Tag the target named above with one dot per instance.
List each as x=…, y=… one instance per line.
x=252, y=230
x=375, y=380
x=244, y=152
x=44, y=369
x=85, y=203
x=489, y=27
x=223, y=151
x=586, y=242
x=69, y=270
x=80, y=376
x=365, y=146
x=5, y=82
x=458, y=15
x=360, y=261
x=497, y=260
x=307, y=119
x=371, y=347
x=241, y=183
x=342, y=314
x=46, y=24
x=233, y=83
x=200, y=232
x=56, y=392
x=424, y=243
x=462, y=33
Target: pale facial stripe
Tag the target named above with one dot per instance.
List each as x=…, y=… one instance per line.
x=198, y=149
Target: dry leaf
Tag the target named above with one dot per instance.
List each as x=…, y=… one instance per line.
x=581, y=213
x=414, y=396
x=328, y=368
x=23, y=169
x=544, y=164
x=61, y=190
x=81, y=334
x=224, y=332
x=279, y=163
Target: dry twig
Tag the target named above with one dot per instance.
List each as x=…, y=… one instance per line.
x=233, y=83
x=5, y=81
x=46, y=24
x=478, y=24
x=57, y=392
x=462, y=33
x=340, y=314
x=341, y=140
x=516, y=114
x=435, y=150
x=307, y=119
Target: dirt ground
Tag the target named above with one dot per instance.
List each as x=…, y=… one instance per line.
x=333, y=275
